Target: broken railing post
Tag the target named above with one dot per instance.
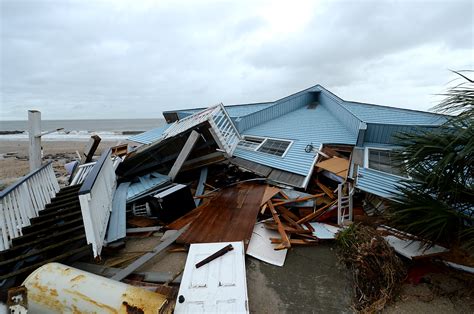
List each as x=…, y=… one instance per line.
x=34, y=134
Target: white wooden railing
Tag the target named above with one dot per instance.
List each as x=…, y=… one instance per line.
x=222, y=128
x=95, y=196
x=225, y=130
x=24, y=200
x=344, y=204
x=83, y=170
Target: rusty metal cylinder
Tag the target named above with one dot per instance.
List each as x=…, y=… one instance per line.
x=57, y=288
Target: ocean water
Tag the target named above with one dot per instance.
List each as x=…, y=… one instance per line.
x=107, y=129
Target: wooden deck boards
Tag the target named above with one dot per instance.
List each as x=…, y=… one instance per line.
x=229, y=217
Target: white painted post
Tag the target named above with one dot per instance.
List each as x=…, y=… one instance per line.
x=34, y=131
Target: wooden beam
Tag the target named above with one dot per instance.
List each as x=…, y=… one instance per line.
x=145, y=258
x=295, y=241
x=285, y=240
x=301, y=199
x=90, y=149
x=316, y=213
x=273, y=226
x=200, y=186
x=183, y=155
x=326, y=190
x=290, y=217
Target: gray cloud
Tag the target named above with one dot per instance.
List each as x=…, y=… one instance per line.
x=121, y=59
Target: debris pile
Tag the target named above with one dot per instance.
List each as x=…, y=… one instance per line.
x=377, y=271
x=186, y=193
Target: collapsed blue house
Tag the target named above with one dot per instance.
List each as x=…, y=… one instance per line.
x=282, y=140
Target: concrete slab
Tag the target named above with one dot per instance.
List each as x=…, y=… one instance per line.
x=311, y=281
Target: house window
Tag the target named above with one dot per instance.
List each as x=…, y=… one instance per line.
x=270, y=146
x=251, y=143
x=274, y=147
x=383, y=160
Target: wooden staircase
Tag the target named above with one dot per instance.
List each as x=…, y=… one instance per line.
x=57, y=234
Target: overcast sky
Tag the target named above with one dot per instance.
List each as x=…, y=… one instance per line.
x=134, y=59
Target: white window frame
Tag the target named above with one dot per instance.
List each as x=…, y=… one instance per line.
x=366, y=161
x=264, y=141
x=248, y=148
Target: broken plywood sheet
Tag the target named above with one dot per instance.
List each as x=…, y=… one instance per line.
x=413, y=249
x=324, y=231
x=228, y=217
x=261, y=248
x=335, y=165
x=219, y=286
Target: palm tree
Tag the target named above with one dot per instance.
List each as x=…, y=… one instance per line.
x=437, y=204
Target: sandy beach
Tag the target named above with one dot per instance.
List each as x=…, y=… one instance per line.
x=14, y=157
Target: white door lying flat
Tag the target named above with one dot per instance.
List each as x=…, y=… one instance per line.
x=219, y=286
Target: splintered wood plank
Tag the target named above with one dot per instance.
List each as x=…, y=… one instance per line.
x=326, y=190
x=270, y=192
x=289, y=217
x=230, y=216
x=294, y=241
x=301, y=199
x=316, y=213
x=274, y=226
x=285, y=241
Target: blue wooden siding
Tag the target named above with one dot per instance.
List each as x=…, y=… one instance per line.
x=303, y=126
x=385, y=133
x=334, y=105
x=389, y=115
x=278, y=109
x=234, y=111
x=377, y=182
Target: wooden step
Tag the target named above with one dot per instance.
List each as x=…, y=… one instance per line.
x=62, y=202
x=48, y=231
x=48, y=223
x=55, y=213
x=75, y=187
x=48, y=211
x=78, y=239
x=58, y=258
x=55, y=237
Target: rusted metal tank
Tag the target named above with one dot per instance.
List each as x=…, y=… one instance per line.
x=57, y=288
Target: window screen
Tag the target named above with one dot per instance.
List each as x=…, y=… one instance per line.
x=382, y=160
x=274, y=147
